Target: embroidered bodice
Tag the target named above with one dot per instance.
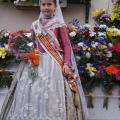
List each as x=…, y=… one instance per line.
x=63, y=39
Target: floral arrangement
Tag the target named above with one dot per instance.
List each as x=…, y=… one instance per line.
x=6, y=55
x=97, y=58
x=21, y=41
x=97, y=52
x=32, y=2
x=7, y=58
x=27, y=2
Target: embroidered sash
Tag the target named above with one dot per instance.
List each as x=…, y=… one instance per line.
x=45, y=40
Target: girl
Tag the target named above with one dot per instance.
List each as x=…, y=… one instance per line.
x=52, y=95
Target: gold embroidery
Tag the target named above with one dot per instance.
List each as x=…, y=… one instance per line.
x=45, y=39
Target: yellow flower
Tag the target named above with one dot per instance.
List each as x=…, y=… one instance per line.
x=3, y=52
x=103, y=46
x=97, y=12
x=116, y=8
x=91, y=69
x=114, y=16
x=112, y=32
x=86, y=48
x=74, y=28
x=89, y=49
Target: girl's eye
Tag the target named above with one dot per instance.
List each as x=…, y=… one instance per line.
x=43, y=4
x=49, y=4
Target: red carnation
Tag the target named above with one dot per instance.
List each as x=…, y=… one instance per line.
x=96, y=29
x=116, y=48
x=86, y=33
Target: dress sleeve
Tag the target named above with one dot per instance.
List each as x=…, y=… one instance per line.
x=65, y=44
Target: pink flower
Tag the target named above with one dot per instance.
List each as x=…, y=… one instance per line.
x=118, y=75
x=70, y=27
x=98, y=53
x=76, y=48
x=13, y=36
x=102, y=67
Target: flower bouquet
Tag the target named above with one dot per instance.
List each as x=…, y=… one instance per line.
x=22, y=42
x=113, y=33
x=27, y=2
x=101, y=16
x=93, y=55
x=115, y=14
x=6, y=55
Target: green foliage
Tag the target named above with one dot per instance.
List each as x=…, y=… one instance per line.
x=6, y=78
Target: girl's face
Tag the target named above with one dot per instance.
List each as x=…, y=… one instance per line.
x=47, y=7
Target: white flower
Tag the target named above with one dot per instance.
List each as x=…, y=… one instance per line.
x=6, y=46
x=109, y=54
x=118, y=31
x=91, y=74
x=0, y=53
x=30, y=44
x=110, y=44
x=28, y=35
x=92, y=34
x=87, y=26
x=6, y=34
x=16, y=1
x=95, y=44
x=78, y=57
x=88, y=64
x=72, y=34
x=103, y=26
x=80, y=44
x=101, y=34
x=88, y=55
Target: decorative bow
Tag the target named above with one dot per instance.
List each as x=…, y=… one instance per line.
x=34, y=57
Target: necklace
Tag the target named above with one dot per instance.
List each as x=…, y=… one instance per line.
x=48, y=17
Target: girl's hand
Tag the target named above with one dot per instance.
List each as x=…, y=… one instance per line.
x=24, y=56
x=66, y=69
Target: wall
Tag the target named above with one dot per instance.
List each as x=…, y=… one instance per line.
x=13, y=19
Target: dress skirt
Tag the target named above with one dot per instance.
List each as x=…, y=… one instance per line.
x=47, y=97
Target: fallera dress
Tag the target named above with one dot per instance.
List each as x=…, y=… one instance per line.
x=48, y=96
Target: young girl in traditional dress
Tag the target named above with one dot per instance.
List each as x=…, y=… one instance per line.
x=56, y=93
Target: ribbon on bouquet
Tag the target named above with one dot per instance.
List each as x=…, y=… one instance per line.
x=34, y=57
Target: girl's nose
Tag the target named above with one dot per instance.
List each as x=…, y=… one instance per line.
x=46, y=6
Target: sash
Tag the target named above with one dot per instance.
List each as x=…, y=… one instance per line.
x=45, y=40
